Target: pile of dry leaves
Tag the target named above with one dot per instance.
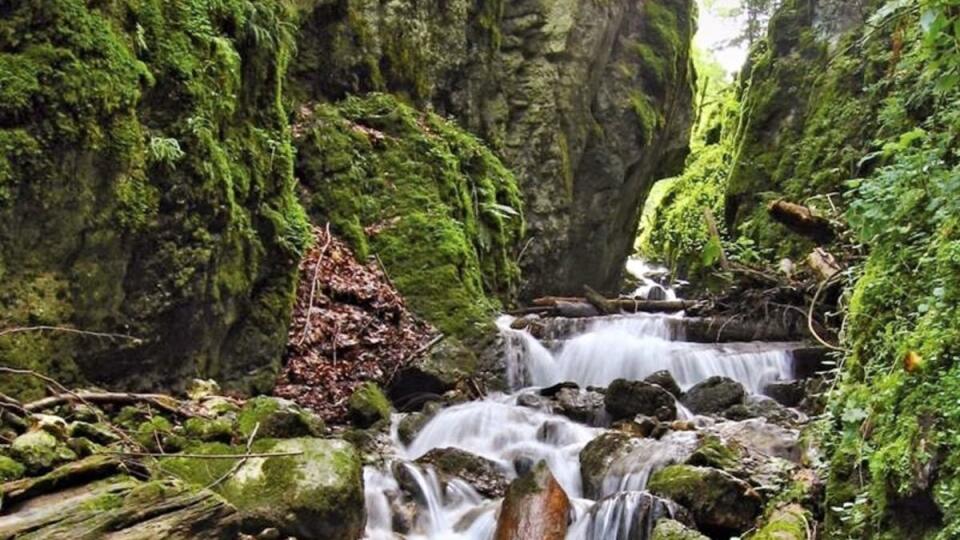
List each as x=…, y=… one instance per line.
x=349, y=326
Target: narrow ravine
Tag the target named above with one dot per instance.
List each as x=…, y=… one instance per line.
x=546, y=418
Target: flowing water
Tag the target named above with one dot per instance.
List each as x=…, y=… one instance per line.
x=496, y=428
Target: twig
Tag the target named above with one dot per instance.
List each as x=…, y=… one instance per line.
x=237, y=465
x=383, y=268
x=313, y=286
x=813, y=306
x=105, y=335
x=203, y=456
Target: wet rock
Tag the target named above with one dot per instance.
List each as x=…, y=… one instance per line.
x=721, y=504
x=641, y=426
x=403, y=515
x=523, y=465
x=38, y=451
x=626, y=399
x=535, y=507
x=788, y=394
x=584, y=406
x=10, y=469
x=277, y=418
x=763, y=407
x=552, y=391
x=410, y=425
x=368, y=405
x=597, y=457
x=786, y=523
x=664, y=379
x=714, y=395
x=481, y=473
x=628, y=515
x=668, y=529
x=761, y=438
x=657, y=293
x=531, y=401
x=712, y=452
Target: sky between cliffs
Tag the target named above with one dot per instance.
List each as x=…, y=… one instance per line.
x=716, y=32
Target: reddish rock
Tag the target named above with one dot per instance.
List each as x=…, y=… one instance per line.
x=535, y=507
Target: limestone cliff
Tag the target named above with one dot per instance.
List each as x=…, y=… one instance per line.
x=587, y=102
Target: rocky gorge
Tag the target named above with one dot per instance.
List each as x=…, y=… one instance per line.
x=342, y=269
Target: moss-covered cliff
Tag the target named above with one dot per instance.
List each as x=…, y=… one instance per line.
x=146, y=187
x=587, y=102
x=440, y=211
x=854, y=104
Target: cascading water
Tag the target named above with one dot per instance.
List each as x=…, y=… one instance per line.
x=514, y=436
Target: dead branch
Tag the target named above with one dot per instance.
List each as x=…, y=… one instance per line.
x=313, y=286
x=237, y=465
x=203, y=456
x=68, y=330
x=160, y=401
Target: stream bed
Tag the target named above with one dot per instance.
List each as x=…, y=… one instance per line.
x=517, y=429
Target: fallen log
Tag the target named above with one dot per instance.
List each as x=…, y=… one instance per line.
x=160, y=401
x=802, y=220
x=823, y=264
x=78, y=472
x=583, y=307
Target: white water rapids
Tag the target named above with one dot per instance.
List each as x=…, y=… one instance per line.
x=498, y=429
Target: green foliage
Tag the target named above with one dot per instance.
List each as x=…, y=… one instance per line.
x=437, y=207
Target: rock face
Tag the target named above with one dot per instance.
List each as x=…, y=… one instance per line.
x=721, y=504
x=626, y=399
x=587, y=102
x=535, y=507
x=147, y=190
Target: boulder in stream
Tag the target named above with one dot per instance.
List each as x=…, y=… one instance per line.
x=597, y=457
x=535, y=507
x=787, y=393
x=721, y=504
x=627, y=399
x=664, y=379
x=584, y=406
x=481, y=473
x=714, y=395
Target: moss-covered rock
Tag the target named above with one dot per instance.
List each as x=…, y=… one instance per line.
x=38, y=451
x=484, y=475
x=668, y=529
x=719, y=502
x=597, y=457
x=791, y=522
x=277, y=418
x=368, y=405
x=11, y=469
x=146, y=161
x=431, y=201
x=315, y=494
x=208, y=429
x=711, y=452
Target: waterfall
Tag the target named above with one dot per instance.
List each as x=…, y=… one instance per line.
x=589, y=352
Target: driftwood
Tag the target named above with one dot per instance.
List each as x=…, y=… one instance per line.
x=802, y=220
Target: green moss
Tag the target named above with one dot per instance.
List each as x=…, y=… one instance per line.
x=430, y=200
x=141, y=234
x=713, y=453
x=204, y=429
x=274, y=417
x=787, y=523
x=11, y=469
x=368, y=405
